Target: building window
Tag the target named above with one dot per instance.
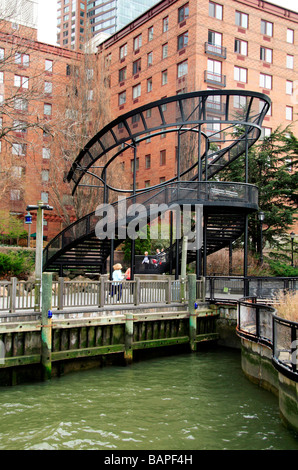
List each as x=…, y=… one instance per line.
x=266, y=81
x=266, y=54
x=44, y=196
x=47, y=109
x=162, y=157
x=46, y=153
x=136, y=66
x=21, y=82
x=149, y=84
x=48, y=87
x=290, y=61
x=289, y=113
x=290, y=36
x=164, y=77
x=182, y=69
x=266, y=28
x=241, y=19
x=182, y=41
x=165, y=51
x=149, y=59
x=132, y=164
x=15, y=194
x=150, y=33
x=21, y=59
x=122, y=98
x=147, y=184
x=265, y=132
x=289, y=87
x=183, y=13
x=122, y=74
x=19, y=149
x=214, y=70
x=45, y=175
x=215, y=10
x=21, y=104
x=165, y=24
x=17, y=171
x=19, y=126
x=1, y=53
x=136, y=91
x=137, y=42
x=240, y=47
x=147, y=161
x=48, y=65
x=123, y=51
x=240, y=74
x=240, y=102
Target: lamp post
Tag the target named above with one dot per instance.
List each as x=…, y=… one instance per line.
x=292, y=246
x=40, y=207
x=261, y=217
x=28, y=220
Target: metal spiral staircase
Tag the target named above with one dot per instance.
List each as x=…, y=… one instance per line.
x=222, y=131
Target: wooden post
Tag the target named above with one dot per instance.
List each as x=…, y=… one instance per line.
x=60, y=292
x=192, y=311
x=13, y=293
x=46, y=326
x=137, y=291
x=128, y=338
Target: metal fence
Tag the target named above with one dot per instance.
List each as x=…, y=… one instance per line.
x=236, y=287
x=259, y=323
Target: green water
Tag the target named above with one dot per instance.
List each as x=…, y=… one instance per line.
x=196, y=401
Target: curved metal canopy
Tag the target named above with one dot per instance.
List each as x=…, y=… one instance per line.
x=230, y=109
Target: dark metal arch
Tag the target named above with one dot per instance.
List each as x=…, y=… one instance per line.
x=108, y=138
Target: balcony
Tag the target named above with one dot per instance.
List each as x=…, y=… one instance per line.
x=214, y=78
x=216, y=50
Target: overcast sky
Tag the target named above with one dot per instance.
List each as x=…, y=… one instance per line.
x=47, y=17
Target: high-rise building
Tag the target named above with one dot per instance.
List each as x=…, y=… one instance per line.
x=20, y=12
x=80, y=20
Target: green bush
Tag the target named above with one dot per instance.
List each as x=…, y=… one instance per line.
x=282, y=269
x=16, y=263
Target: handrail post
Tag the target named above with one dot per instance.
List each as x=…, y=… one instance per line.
x=183, y=269
x=136, y=292
x=168, y=291
x=37, y=295
x=101, y=292
x=60, y=292
x=13, y=293
x=192, y=312
x=46, y=326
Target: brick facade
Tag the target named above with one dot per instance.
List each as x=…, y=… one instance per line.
x=186, y=46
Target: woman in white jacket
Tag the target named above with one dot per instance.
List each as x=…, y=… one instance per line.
x=117, y=276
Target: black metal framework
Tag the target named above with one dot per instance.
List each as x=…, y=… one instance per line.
x=223, y=125
x=258, y=322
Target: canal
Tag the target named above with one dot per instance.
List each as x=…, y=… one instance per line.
x=198, y=401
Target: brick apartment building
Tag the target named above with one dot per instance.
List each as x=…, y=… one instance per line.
x=181, y=46
x=33, y=78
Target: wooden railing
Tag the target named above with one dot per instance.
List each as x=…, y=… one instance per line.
x=18, y=295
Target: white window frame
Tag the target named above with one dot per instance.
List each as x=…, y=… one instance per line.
x=240, y=74
x=266, y=81
x=136, y=91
